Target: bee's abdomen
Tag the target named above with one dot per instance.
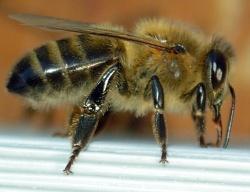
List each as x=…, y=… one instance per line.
x=62, y=65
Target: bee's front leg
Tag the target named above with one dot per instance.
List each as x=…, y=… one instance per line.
x=85, y=117
x=159, y=128
x=218, y=123
x=198, y=113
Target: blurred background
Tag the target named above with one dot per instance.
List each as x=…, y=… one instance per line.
x=229, y=18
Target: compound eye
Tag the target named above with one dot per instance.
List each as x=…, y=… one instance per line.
x=218, y=68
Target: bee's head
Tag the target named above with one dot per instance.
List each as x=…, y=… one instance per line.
x=217, y=67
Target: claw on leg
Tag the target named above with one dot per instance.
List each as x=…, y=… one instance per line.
x=75, y=153
x=164, y=154
x=67, y=172
x=202, y=141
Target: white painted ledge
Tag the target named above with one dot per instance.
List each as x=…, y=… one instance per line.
x=35, y=163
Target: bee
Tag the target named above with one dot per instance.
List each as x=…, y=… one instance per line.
x=161, y=66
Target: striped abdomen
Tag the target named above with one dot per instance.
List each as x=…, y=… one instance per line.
x=60, y=66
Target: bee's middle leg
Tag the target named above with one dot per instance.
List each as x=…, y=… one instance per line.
x=159, y=128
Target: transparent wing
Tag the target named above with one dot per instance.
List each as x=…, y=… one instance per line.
x=79, y=27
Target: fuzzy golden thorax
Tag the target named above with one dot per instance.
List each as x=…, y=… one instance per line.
x=178, y=73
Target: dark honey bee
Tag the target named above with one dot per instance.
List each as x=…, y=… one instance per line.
x=161, y=66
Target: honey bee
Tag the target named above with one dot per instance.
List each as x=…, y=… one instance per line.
x=162, y=66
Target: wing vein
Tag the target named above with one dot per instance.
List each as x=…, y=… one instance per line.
x=79, y=27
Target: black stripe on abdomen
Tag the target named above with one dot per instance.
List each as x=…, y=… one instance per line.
x=95, y=48
x=73, y=60
x=52, y=71
x=69, y=56
x=24, y=78
x=98, y=52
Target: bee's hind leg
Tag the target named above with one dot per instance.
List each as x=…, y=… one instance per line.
x=198, y=113
x=85, y=117
x=84, y=123
x=159, y=128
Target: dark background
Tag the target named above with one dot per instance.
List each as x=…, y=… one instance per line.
x=229, y=18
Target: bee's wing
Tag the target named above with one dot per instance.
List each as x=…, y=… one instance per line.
x=79, y=27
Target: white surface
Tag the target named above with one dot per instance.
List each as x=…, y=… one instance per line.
x=35, y=163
